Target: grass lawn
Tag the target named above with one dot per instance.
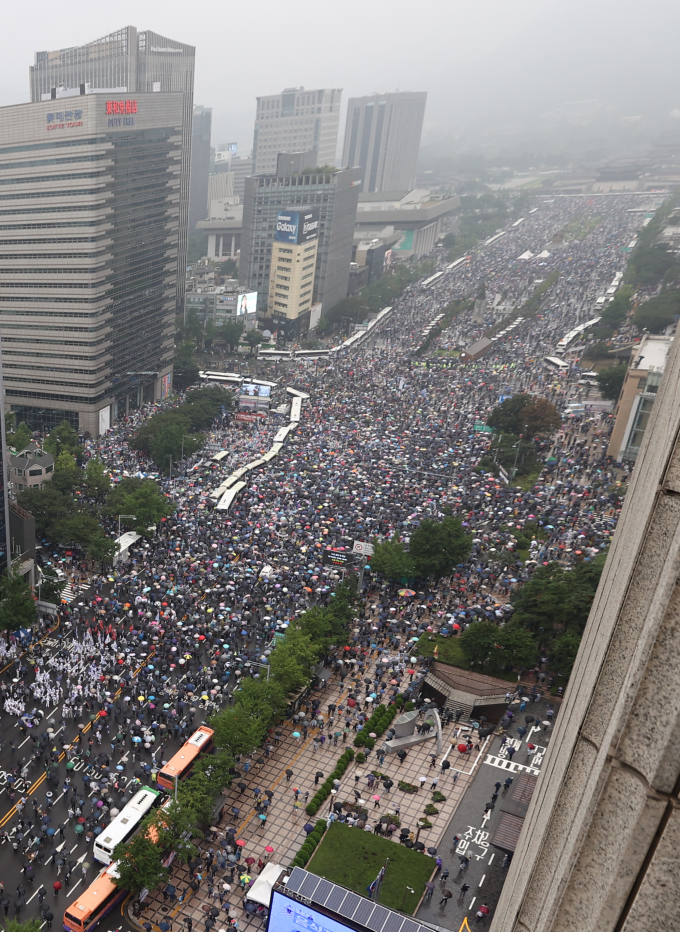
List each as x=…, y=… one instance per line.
x=353, y=858
x=450, y=652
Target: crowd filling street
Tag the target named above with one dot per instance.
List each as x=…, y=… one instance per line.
x=149, y=650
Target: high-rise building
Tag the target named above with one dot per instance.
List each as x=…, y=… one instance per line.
x=296, y=120
x=130, y=62
x=334, y=195
x=201, y=128
x=88, y=254
x=382, y=135
x=291, y=277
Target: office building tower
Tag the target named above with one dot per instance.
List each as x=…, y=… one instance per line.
x=296, y=120
x=88, y=255
x=334, y=195
x=5, y=548
x=200, y=165
x=382, y=135
x=132, y=63
x=293, y=264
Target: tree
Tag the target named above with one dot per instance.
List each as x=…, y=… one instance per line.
x=437, y=547
x=31, y=925
x=167, y=446
x=253, y=338
x=97, y=481
x=142, y=498
x=658, y=313
x=139, y=864
x=480, y=642
x=610, y=381
x=292, y=661
x=51, y=587
x=519, y=647
x=231, y=332
x=49, y=507
x=101, y=548
x=20, y=438
x=236, y=731
x=618, y=308
x=184, y=369
x=557, y=600
x=526, y=415
x=17, y=606
x=392, y=560
x=564, y=651
x=63, y=438
x=67, y=474
x=174, y=825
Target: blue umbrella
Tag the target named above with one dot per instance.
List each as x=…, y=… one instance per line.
x=51, y=831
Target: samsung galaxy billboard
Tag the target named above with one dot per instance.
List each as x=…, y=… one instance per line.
x=293, y=226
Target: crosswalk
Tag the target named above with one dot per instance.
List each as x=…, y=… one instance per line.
x=71, y=592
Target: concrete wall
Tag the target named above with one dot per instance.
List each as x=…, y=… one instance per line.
x=599, y=848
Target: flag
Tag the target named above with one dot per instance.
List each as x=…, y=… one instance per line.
x=436, y=652
x=372, y=888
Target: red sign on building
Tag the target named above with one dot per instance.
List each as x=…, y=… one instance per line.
x=121, y=106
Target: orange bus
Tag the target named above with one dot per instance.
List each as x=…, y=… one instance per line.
x=96, y=902
x=180, y=766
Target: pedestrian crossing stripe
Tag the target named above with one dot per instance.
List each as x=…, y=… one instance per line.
x=69, y=592
x=506, y=764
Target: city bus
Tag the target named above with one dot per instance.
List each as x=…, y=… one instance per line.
x=125, y=824
x=556, y=364
x=97, y=901
x=180, y=766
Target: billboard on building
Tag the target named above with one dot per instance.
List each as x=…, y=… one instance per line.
x=247, y=303
x=288, y=915
x=166, y=382
x=254, y=397
x=104, y=419
x=297, y=226
x=314, y=315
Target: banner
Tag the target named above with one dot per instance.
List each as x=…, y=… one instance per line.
x=245, y=417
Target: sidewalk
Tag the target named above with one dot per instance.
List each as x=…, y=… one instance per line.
x=284, y=827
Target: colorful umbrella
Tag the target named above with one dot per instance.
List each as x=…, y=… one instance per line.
x=406, y=592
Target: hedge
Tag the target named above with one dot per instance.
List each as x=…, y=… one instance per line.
x=310, y=845
x=324, y=790
x=378, y=723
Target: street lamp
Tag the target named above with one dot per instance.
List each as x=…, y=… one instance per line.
x=403, y=899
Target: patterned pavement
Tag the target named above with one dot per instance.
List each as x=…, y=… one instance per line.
x=284, y=830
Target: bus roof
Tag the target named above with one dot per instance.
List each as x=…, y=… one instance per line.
x=191, y=748
x=96, y=893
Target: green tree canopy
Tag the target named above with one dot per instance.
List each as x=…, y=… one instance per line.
x=610, y=381
x=30, y=925
x=97, y=480
x=140, y=864
x=437, y=547
x=556, y=600
x=67, y=473
x=49, y=507
x=184, y=369
x=657, y=313
x=392, y=560
x=20, y=438
x=480, y=644
x=142, y=498
x=63, y=438
x=253, y=338
x=230, y=332
x=17, y=606
x=526, y=415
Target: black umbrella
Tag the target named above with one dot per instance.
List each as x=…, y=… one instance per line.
x=268, y=793
x=319, y=774
x=289, y=773
x=529, y=719
x=409, y=843
x=432, y=851
x=242, y=786
x=419, y=846
x=214, y=912
x=384, y=819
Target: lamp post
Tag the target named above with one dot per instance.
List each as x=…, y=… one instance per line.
x=403, y=899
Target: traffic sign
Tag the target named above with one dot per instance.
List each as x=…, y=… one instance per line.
x=363, y=547
x=482, y=428
x=336, y=557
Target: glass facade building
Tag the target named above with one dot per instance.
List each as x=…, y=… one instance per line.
x=89, y=231
x=131, y=62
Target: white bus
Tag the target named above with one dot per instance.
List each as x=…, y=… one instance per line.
x=125, y=824
x=556, y=364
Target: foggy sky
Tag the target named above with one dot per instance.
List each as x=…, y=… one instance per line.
x=493, y=60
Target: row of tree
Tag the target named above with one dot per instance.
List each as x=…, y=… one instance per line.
x=550, y=616
x=175, y=433
x=239, y=730
x=435, y=549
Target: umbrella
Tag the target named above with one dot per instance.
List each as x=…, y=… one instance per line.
x=462, y=748
x=296, y=734
x=250, y=861
x=432, y=851
x=268, y=849
x=419, y=846
x=240, y=842
x=406, y=592
x=375, y=798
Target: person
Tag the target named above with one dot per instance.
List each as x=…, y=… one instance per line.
x=482, y=913
x=56, y=886
x=446, y=896
x=463, y=890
